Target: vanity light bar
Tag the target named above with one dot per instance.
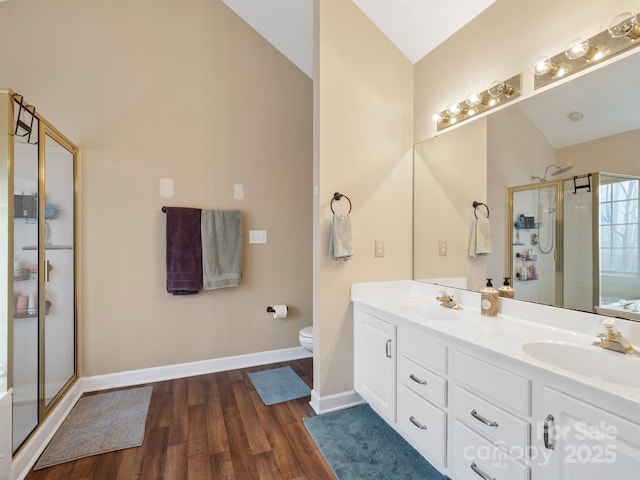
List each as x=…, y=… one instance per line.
x=499, y=93
x=622, y=35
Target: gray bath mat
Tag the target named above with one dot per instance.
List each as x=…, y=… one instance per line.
x=98, y=424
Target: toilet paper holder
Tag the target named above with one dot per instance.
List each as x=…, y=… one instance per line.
x=270, y=309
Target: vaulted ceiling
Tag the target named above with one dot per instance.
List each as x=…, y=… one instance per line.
x=415, y=26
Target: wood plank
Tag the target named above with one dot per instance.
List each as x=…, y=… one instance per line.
x=211, y=427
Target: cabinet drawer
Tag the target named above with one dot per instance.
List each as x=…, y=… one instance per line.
x=422, y=381
x=472, y=457
x=422, y=350
x=424, y=424
x=491, y=421
x=493, y=382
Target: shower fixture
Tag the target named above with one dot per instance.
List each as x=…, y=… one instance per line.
x=558, y=170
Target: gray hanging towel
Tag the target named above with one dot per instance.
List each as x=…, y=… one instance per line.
x=340, y=240
x=222, y=236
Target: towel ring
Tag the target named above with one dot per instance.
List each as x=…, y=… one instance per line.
x=476, y=205
x=336, y=198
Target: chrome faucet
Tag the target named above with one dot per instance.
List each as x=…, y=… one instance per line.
x=613, y=340
x=447, y=301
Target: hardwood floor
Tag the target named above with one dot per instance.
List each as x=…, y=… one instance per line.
x=212, y=427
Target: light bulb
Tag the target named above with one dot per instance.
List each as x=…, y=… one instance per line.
x=436, y=117
x=625, y=25
x=471, y=112
x=543, y=66
x=498, y=88
x=493, y=102
x=453, y=109
x=473, y=99
x=578, y=48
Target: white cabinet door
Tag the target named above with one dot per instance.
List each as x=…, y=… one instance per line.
x=578, y=441
x=375, y=363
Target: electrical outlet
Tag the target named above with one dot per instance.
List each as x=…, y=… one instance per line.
x=442, y=248
x=379, y=249
x=257, y=236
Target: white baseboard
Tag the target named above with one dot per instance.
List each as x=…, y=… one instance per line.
x=24, y=461
x=181, y=370
x=30, y=452
x=331, y=403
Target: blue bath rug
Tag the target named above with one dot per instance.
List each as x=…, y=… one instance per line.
x=279, y=385
x=359, y=445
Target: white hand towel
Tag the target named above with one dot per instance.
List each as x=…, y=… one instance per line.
x=480, y=243
x=340, y=240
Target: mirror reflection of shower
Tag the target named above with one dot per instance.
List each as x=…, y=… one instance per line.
x=535, y=241
x=547, y=216
x=558, y=170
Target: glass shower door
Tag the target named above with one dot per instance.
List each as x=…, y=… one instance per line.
x=59, y=284
x=26, y=343
x=42, y=350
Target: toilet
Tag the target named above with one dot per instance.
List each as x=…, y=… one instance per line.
x=306, y=338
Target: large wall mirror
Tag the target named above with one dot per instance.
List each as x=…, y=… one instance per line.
x=521, y=162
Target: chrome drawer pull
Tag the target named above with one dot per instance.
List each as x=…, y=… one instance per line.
x=479, y=472
x=547, y=442
x=417, y=423
x=388, y=347
x=417, y=380
x=477, y=416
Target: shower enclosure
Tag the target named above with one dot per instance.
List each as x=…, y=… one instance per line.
x=38, y=263
x=573, y=242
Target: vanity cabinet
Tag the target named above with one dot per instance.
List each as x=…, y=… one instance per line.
x=375, y=365
x=582, y=441
x=477, y=414
x=422, y=394
x=490, y=406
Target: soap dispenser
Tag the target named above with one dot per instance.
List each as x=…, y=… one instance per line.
x=489, y=300
x=506, y=290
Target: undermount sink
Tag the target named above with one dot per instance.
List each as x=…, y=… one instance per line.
x=588, y=361
x=430, y=311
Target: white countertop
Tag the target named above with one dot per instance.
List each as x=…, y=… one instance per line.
x=415, y=303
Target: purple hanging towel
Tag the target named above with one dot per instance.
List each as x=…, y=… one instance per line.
x=184, y=251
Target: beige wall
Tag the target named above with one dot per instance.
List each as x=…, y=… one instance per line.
x=183, y=90
x=364, y=126
x=596, y=155
x=449, y=174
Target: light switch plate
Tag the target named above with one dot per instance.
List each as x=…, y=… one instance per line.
x=257, y=236
x=442, y=248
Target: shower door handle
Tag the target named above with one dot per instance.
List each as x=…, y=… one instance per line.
x=47, y=270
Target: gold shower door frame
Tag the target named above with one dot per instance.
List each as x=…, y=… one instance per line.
x=7, y=164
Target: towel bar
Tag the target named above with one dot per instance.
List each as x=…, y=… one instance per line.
x=478, y=204
x=337, y=197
